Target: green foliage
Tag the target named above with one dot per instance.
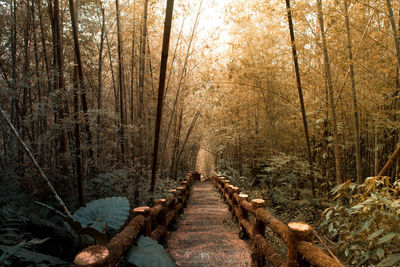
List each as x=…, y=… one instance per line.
x=368, y=229
x=103, y=213
x=98, y=217
x=148, y=253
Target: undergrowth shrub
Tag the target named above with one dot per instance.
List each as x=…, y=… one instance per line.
x=367, y=228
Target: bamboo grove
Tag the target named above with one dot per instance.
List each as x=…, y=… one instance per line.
x=338, y=104
x=79, y=82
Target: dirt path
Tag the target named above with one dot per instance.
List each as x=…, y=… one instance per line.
x=202, y=239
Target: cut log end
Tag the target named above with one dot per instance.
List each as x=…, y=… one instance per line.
x=243, y=196
x=161, y=201
x=236, y=189
x=303, y=231
x=144, y=210
x=180, y=188
x=258, y=203
x=92, y=256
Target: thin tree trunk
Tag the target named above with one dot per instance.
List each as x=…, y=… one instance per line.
x=82, y=88
x=42, y=115
x=394, y=30
x=100, y=81
x=133, y=64
x=14, y=94
x=78, y=154
x=328, y=75
x=161, y=87
x=142, y=63
x=113, y=77
x=177, y=135
x=354, y=96
x=34, y=162
x=45, y=56
x=121, y=84
x=59, y=70
x=300, y=91
x=184, y=70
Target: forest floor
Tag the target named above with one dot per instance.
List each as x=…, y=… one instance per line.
x=203, y=237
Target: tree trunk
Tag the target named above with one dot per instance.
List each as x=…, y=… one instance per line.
x=100, y=81
x=328, y=77
x=354, y=96
x=161, y=87
x=121, y=84
x=300, y=91
x=142, y=63
x=78, y=154
x=77, y=51
x=14, y=94
x=59, y=70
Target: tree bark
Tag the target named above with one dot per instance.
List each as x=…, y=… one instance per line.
x=142, y=63
x=59, y=70
x=121, y=84
x=300, y=91
x=354, y=95
x=82, y=87
x=328, y=77
x=99, y=80
x=161, y=87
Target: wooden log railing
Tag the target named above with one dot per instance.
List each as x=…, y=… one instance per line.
x=297, y=236
x=152, y=222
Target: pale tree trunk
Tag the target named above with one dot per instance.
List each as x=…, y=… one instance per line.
x=354, y=96
x=328, y=75
x=161, y=87
x=300, y=91
x=121, y=84
x=139, y=141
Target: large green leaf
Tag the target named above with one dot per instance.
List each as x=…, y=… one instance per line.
x=104, y=213
x=148, y=253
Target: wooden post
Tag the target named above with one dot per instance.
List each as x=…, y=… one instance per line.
x=181, y=193
x=299, y=231
x=162, y=219
x=145, y=212
x=258, y=227
x=225, y=190
x=242, y=215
